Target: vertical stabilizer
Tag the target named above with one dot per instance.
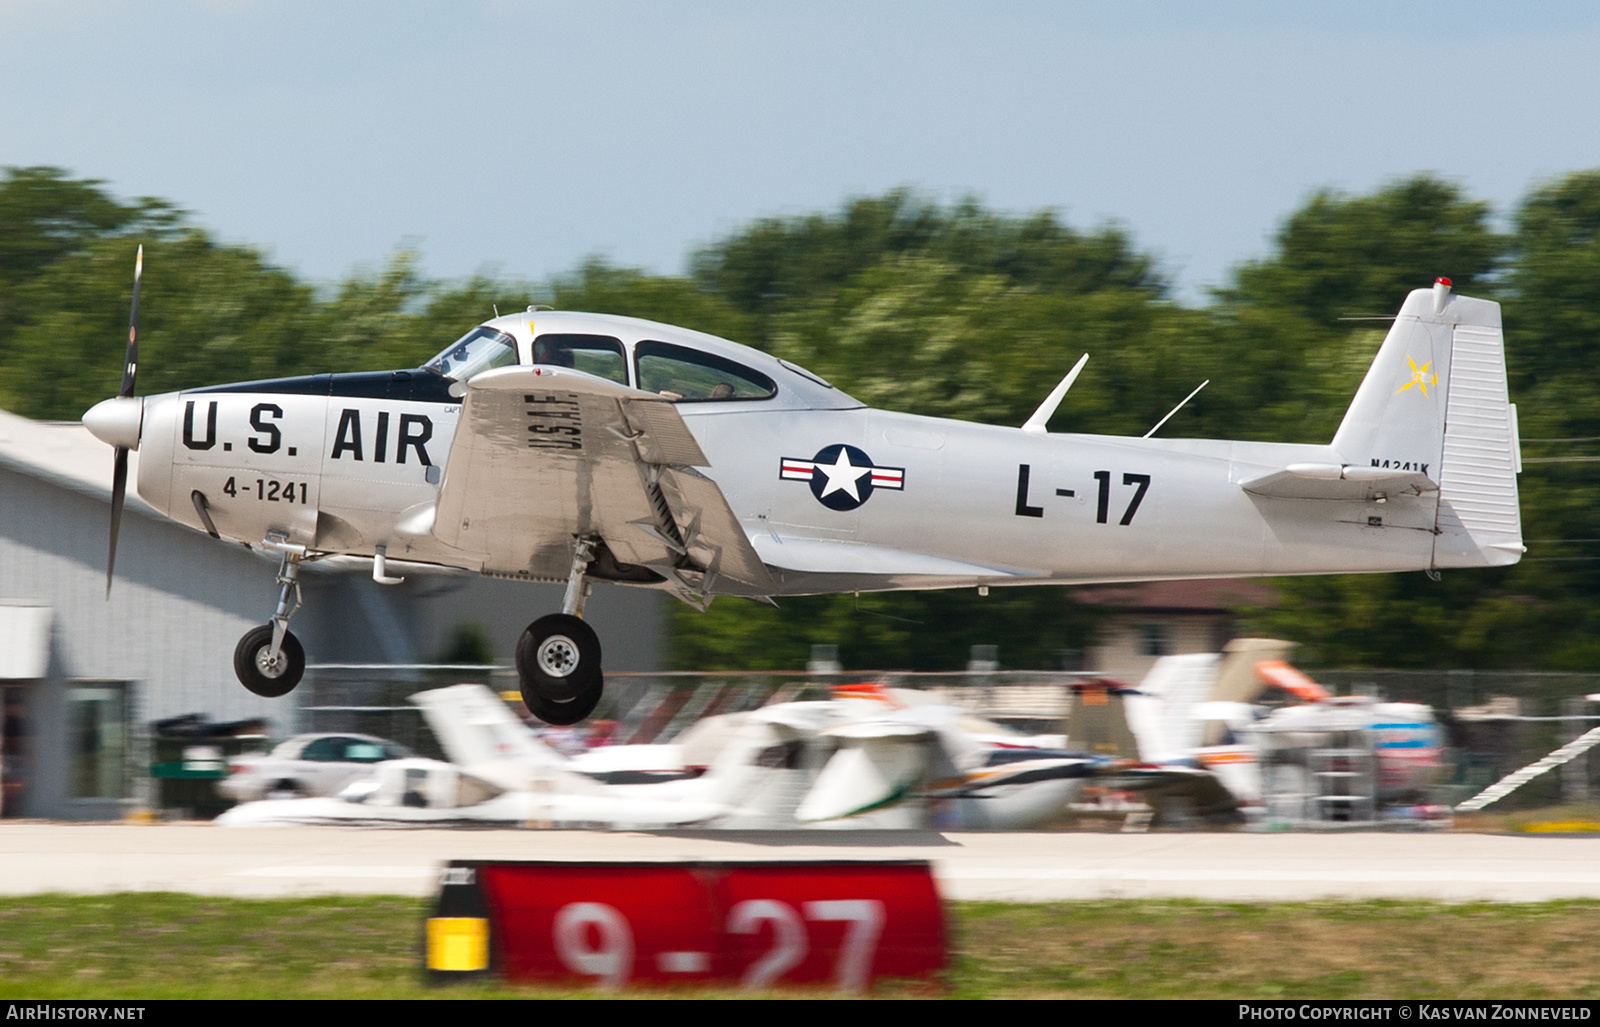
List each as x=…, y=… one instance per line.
x=1161, y=714
x=1396, y=421
x=476, y=728
x=1435, y=402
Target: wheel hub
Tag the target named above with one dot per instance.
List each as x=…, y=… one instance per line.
x=267, y=665
x=558, y=656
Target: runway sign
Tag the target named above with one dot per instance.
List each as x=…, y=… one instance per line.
x=755, y=925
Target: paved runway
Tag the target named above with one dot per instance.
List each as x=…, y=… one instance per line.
x=1025, y=867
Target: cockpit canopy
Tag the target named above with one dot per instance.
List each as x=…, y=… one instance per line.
x=681, y=373
x=682, y=365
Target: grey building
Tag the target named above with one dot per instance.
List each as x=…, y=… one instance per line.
x=82, y=676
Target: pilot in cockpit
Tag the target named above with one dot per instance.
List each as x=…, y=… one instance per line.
x=553, y=351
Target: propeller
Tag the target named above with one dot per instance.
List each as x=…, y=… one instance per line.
x=119, y=469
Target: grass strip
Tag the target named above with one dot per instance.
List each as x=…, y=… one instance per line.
x=177, y=946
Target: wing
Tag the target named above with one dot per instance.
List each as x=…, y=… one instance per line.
x=543, y=455
x=876, y=765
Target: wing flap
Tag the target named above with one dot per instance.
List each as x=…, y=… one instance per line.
x=662, y=436
x=544, y=455
x=713, y=536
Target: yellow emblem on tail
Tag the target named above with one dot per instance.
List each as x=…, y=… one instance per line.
x=1419, y=377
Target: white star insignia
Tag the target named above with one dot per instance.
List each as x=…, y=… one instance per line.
x=843, y=475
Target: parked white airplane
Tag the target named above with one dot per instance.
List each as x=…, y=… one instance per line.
x=875, y=758
x=1206, y=723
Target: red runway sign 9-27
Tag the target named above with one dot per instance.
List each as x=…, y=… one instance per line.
x=757, y=925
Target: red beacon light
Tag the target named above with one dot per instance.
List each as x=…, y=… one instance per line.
x=1441, y=294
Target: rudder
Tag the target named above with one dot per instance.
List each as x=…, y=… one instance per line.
x=1480, y=520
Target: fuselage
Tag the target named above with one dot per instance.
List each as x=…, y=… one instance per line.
x=834, y=496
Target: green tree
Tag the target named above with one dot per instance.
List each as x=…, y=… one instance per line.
x=597, y=286
x=778, y=264
x=1552, y=316
x=46, y=217
x=1351, y=256
x=1361, y=255
x=208, y=313
x=1033, y=627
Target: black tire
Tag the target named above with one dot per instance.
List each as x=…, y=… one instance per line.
x=558, y=659
x=286, y=788
x=563, y=714
x=248, y=658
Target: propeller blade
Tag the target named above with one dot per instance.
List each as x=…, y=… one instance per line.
x=130, y=367
x=119, y=470
x=119, y=488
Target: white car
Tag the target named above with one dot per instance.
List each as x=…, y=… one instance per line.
x=307, y=765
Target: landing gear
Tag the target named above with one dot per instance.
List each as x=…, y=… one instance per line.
x=561, y=714
x=269, y=661
x=558, y=656
x=261, y=672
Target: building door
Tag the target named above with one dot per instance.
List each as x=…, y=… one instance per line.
x=97, y=740
x=16, y=749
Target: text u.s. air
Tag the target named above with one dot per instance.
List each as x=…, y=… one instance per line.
x=557, y=446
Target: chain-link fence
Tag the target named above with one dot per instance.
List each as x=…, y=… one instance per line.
x=656, y=707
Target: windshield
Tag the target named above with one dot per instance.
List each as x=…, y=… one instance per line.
x=475, y=352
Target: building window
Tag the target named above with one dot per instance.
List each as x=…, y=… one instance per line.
x=1155, y=640
x=98, y=740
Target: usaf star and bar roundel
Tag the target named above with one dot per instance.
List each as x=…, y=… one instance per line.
x=842, y=477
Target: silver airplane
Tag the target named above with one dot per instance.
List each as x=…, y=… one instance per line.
x=556, y=446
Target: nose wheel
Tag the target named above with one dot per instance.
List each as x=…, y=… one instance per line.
x=268, y=660
x=261, y=671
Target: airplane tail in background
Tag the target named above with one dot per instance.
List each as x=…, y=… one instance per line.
x=475, y=728
x=1435, y=403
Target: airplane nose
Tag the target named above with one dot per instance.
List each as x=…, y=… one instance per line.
x=116, y=421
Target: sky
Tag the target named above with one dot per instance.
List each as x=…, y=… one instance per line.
x=520, y=138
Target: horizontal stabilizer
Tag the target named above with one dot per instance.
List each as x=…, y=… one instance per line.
x=1336, y=482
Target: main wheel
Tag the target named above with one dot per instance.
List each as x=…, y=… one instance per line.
x=558, y=659
x=561, y=714
x=268, y=678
